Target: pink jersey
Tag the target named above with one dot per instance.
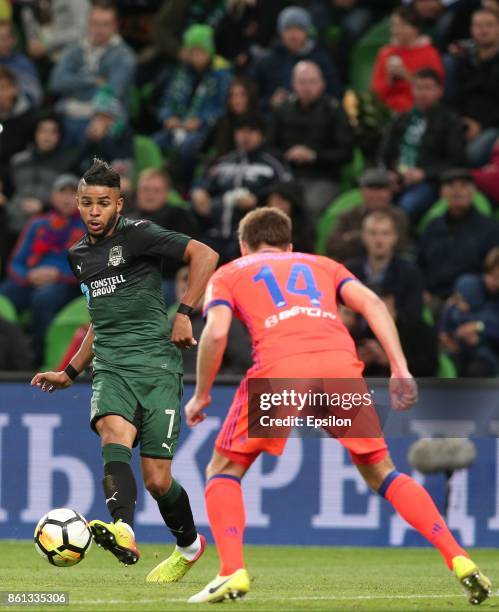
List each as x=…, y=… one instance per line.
x=288, y=301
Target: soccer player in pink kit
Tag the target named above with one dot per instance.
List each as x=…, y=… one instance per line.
x=278, y=294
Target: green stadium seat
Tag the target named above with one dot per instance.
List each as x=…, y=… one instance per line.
x=175, y=199
x=7, y=310
x=438, y=209
x=147, y=154
x=329, y=217
x=62, y=329
x=428, y=317
x=364, y=55
x=446, y=367
x=351, y=172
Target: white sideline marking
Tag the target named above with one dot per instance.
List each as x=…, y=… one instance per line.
x=260, y=599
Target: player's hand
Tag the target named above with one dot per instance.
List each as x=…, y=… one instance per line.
x=50, y=381
x=403, y=391
x=182, y=332
x=194, y=410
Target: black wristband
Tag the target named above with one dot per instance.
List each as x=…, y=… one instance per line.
x=71, y=372
x=185, y=309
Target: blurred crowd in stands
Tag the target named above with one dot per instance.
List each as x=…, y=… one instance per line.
x=373, y=123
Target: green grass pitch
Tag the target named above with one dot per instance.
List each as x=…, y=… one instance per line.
x=285, y=578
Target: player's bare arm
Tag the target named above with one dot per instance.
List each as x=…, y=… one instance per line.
x=364, y=301
x=210, y=353
x=50, y=381
x=202, y=261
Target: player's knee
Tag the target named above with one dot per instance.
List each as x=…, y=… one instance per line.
x=216, y=467
x=110, y=436
x=158, y=485
x=211, y=470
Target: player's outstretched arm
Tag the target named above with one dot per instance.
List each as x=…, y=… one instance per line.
x=364, y=301
x=202, y=261
x=210, y=353
x=50, y=381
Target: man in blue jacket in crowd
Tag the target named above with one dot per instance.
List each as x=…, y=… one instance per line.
x=39, y=276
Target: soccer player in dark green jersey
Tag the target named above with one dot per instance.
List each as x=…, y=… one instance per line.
x=137, y=363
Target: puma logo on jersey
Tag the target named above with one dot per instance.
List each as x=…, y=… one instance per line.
x=112, y=498
x=167, y=446
x=79, y=266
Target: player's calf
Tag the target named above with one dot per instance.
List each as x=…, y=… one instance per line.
x=175, y=508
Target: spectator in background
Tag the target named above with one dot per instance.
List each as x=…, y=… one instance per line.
x=93, y=80
x=311, y=131
x=25, y=71
x=7, y=239
x=39, y=274
x=288, y=197
x=34, y=170
x=175, y=17
x=193, y=99
x=400, y=284
x=345, y=241
x=65, y=27
x=457, y=242
x=487, y=177
x=419, y=145
x=153, y=202
x=436, y=20
x=397, y=62
x=233, y=185
x=352, y=17
x=237, y=357
x=419, y=342
x=273, y=72
x=241, y=100
x=17, y=118
x=469, y=326
x=246, y=30
x=382, y=270
x=16, y=354
x=477, y=87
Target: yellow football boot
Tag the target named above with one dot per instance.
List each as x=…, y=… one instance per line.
x=231, y=587
x=476, y=584
x=118, y=538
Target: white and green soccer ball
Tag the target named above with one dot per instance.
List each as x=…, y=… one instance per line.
x=62, y=537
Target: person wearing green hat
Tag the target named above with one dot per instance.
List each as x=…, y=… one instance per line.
x=193, y=99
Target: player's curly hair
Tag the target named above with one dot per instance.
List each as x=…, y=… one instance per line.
x=103, y=174
x=265, y=226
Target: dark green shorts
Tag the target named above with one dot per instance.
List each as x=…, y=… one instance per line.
x=151, y=404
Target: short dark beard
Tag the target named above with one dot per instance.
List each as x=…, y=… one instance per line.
x=109, y=225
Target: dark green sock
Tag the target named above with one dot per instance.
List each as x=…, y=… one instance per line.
x=120, y=488
x=176, y=511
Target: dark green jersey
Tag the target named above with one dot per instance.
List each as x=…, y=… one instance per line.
x=120, y=277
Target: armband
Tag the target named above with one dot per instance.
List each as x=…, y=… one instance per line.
x=71, y=372
x=185, y=309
